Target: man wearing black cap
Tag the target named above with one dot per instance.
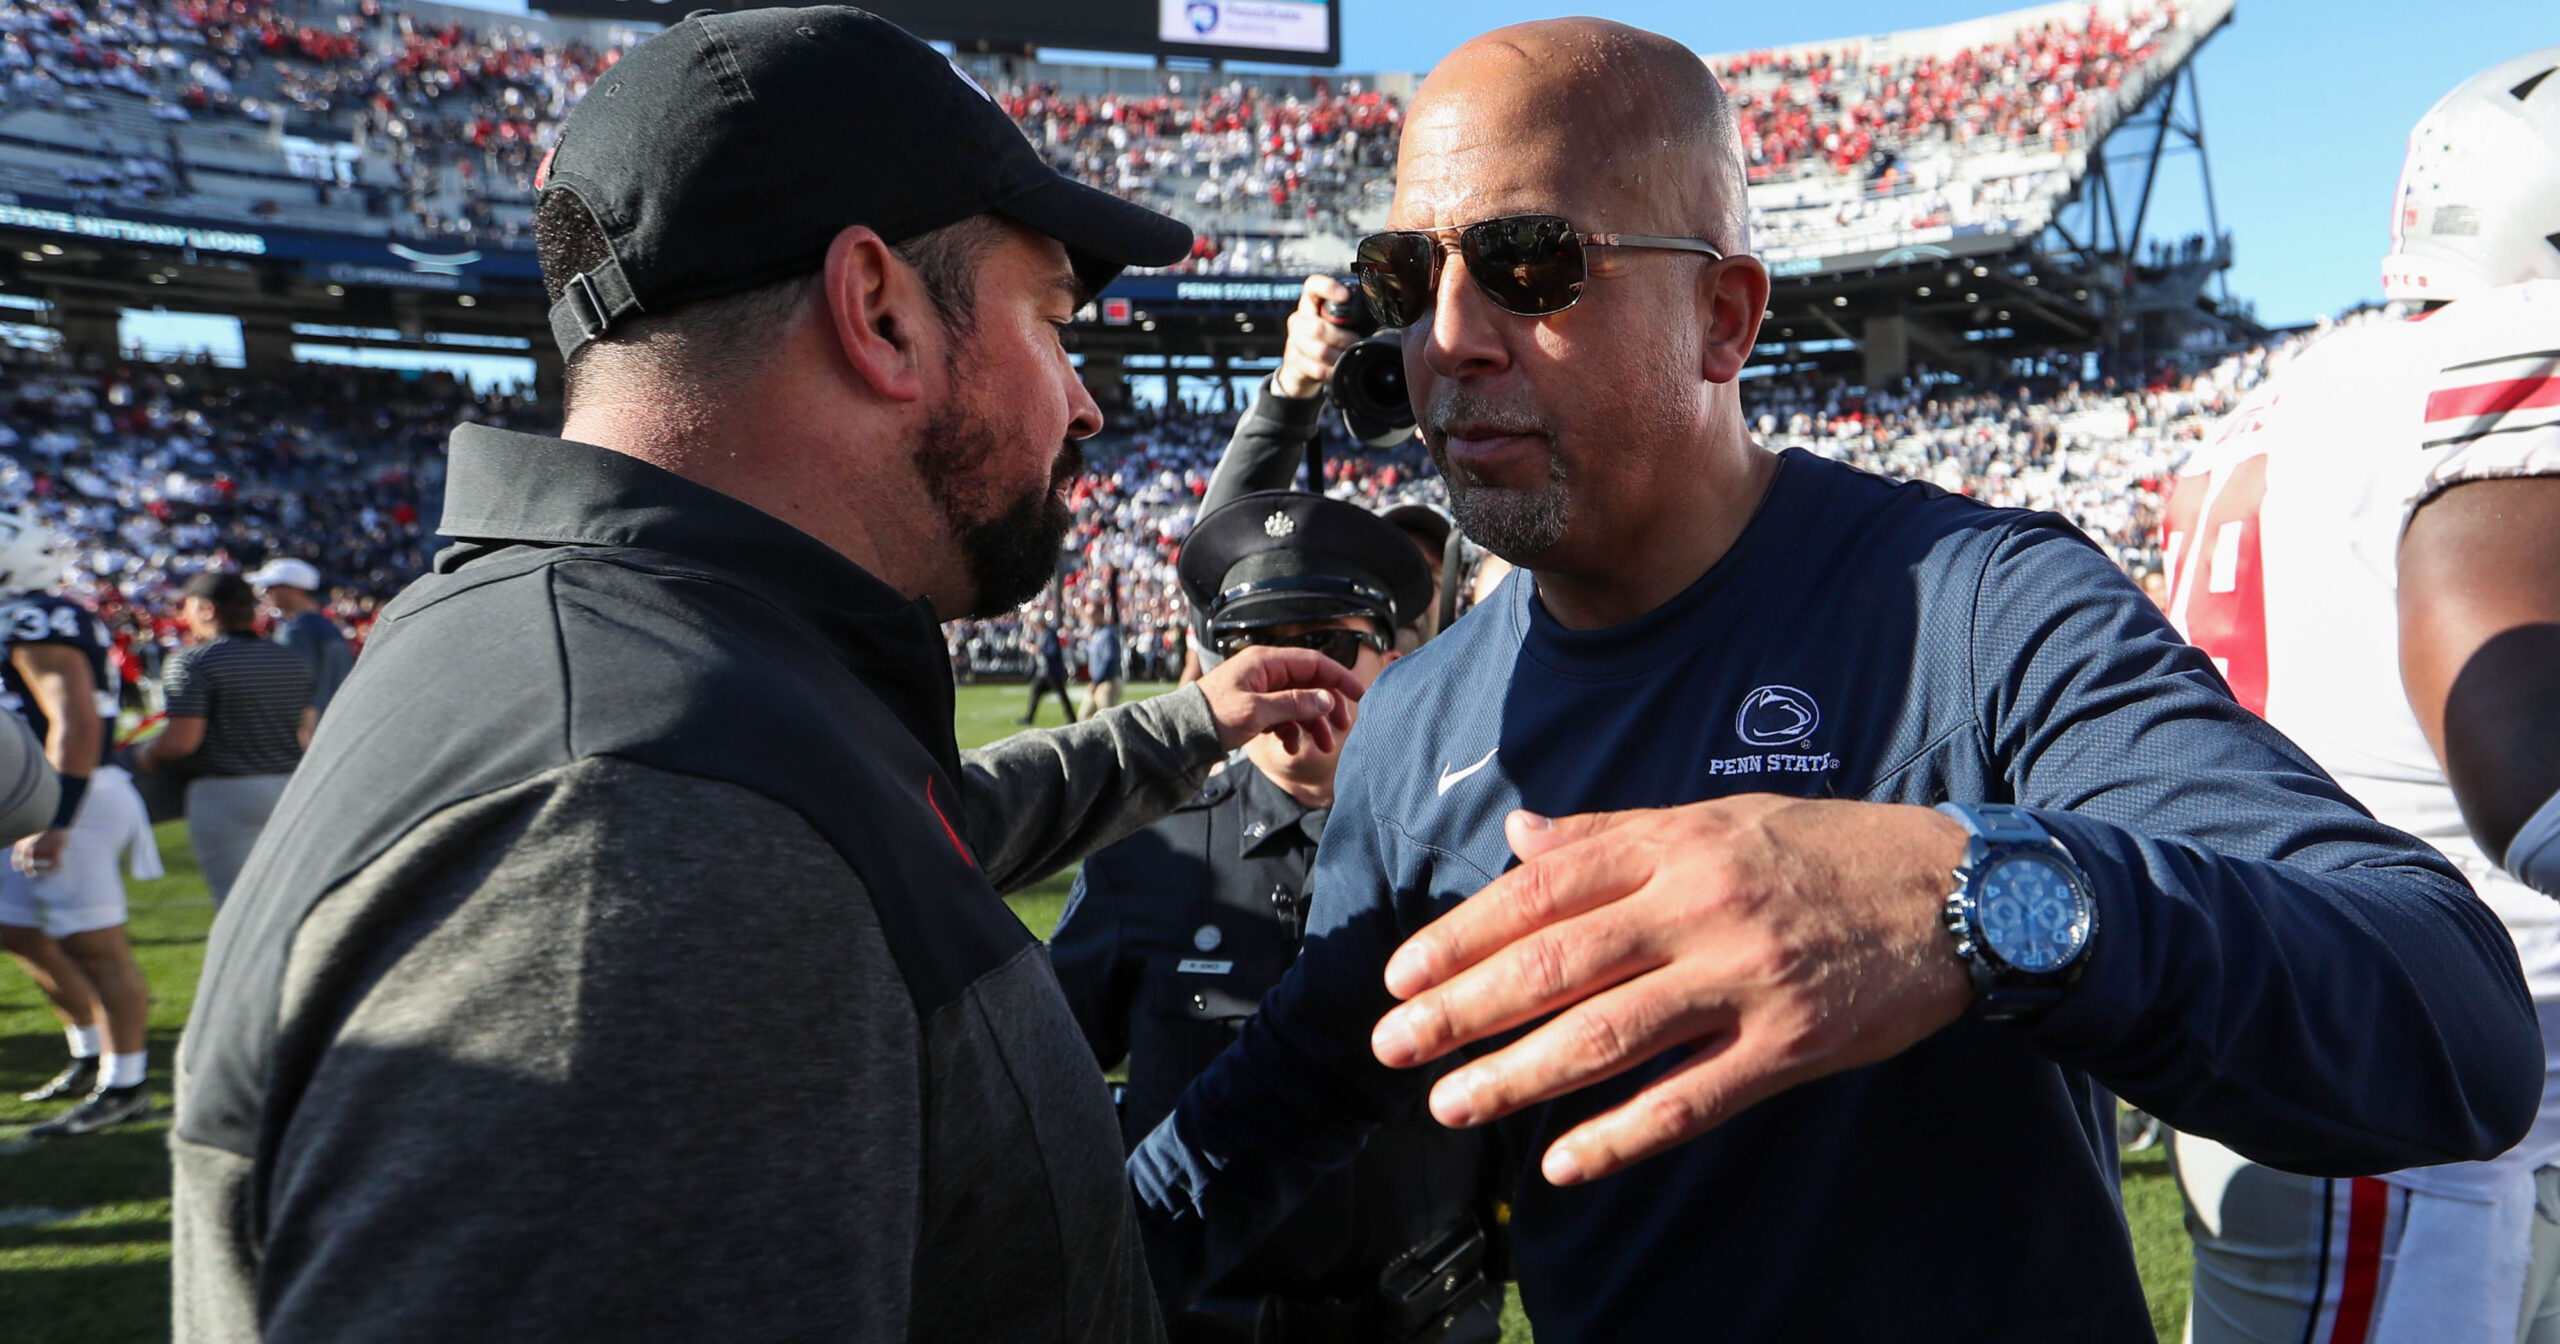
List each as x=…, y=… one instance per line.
x=625, y=961
x=1173, y=935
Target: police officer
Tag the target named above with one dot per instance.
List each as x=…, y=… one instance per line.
x=1173, y=935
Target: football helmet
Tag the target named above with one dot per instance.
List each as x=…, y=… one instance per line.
x=27, y=563
x=2479, y=199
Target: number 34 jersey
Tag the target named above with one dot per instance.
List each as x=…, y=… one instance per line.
x=2282, y=537
x=45, y=619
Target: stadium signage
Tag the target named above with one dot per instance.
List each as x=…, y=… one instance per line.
x=388, y=277
x=1238, y=291
x=1299, y=32
x=1910, y=247
x=333, y=258
x=117, y=230
x=1266, y=25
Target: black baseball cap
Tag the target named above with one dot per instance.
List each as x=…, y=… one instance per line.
x=727, y=152
x=1280, y=556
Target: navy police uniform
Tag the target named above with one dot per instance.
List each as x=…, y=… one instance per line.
x=1173, y=935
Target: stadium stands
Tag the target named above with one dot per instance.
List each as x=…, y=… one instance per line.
x=159, y=471
x=428, y=124
x=155, y=472
x=423, y=124
x=2102, y=457
x=237, y=111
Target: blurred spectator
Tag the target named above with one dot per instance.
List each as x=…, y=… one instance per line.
x=288, y=586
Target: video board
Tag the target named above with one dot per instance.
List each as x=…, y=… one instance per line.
x=1291, y=32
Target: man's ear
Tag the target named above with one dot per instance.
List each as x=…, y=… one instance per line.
x=882, y=319
x=1735, y=298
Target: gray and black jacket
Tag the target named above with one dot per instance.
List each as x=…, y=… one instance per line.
x=625, y=961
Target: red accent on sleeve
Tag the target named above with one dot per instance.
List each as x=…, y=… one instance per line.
x=2513, y=394
x=929, y=801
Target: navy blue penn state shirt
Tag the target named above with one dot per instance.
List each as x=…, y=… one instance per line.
x=2271, y=967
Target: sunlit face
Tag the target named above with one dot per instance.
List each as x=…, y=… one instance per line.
x=1545, y=428
x=2031, y=914
x=999, y=455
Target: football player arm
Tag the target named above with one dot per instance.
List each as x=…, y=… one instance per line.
x=2480, y=659
x=57, y=675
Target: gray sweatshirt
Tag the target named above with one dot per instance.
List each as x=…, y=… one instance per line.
x=625, y=961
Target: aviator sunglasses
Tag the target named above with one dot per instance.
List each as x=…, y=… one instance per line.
x=1341, y=645
x=1528, y=265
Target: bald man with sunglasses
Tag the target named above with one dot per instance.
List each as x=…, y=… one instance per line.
x=1789, y=863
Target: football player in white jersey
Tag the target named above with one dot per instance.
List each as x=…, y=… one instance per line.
x=62, y=908
x=2370, y=550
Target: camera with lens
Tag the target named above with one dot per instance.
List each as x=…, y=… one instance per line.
x=1368, y=381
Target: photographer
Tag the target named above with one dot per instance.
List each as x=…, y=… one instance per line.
x=1287, y=414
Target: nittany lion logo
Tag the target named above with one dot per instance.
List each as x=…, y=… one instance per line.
x=1203, y=16
x=1776, y=716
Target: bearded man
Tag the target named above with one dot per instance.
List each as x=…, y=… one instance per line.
x=625, y=961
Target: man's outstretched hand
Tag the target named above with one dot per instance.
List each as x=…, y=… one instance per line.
x=1779, y=939
x=1285, y=692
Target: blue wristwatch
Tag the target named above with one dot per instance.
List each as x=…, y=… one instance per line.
x=2021, y=913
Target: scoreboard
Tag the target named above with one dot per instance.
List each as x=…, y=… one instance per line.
x=1291, y=32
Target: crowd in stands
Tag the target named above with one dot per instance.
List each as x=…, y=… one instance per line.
x=453, y=121
x=154, y=472
x=151, y=473
x=2099, y=454
x=1808, y=109
x=1232, y=160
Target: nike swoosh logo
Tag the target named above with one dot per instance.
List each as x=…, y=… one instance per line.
x=1447, y=779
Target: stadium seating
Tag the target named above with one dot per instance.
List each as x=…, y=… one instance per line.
x=397, y=124
x=158, y=471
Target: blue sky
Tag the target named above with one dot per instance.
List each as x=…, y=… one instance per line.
x=2308, y=104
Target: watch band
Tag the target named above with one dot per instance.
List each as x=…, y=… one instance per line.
x=1999, y=823
x=2002, y=993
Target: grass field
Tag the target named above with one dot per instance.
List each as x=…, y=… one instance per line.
x=84, y=1223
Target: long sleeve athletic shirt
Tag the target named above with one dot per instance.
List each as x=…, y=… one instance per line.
x=2271, y=967
x=625, y=961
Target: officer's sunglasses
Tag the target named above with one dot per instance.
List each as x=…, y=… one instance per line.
x=1528, y=265
x=1335, y=642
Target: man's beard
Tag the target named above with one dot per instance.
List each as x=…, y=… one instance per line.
x=1518, y=525
x=1009, y=546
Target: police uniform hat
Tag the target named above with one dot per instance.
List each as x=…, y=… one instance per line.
x=1422, y=522
x=1280, y=556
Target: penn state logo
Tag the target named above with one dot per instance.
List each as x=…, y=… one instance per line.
x=1203, y=16
x=1776, y=716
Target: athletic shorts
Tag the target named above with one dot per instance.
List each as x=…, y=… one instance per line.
x=87, y=892
x=2287, y=1259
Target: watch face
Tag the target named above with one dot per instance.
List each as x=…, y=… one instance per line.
x=2031, y=913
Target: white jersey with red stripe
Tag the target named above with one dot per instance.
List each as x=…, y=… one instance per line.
x=2282, y=540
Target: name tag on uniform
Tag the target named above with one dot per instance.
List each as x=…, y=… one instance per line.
x=1197, y=967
